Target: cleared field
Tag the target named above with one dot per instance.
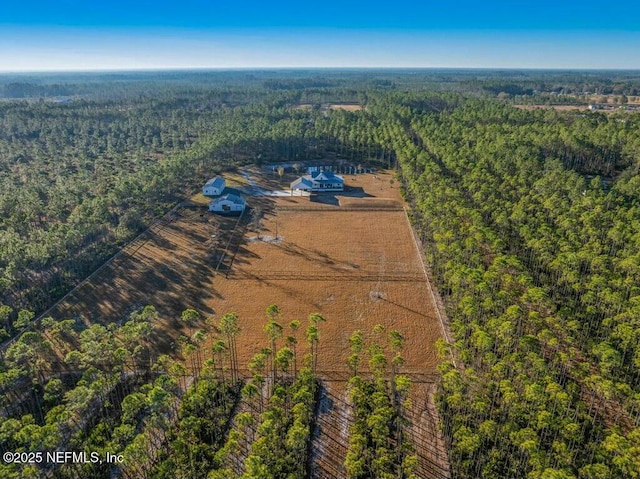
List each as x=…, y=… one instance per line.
x=332, y=106
x=357, y=268
x=346, y=106
x=350, y=257
x=169, y=266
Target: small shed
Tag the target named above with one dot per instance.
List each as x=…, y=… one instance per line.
x=214, y=187
x=228, y=203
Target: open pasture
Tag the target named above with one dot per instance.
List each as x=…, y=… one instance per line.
x=353, y=260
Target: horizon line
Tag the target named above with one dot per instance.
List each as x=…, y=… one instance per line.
x=312, y=67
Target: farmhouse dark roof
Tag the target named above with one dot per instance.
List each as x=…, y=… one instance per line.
x=232, y=198
x=216, y=182
x=327, y=177
x=302, y=181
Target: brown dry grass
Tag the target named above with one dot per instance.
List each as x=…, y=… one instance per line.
x=425, y=434
x=333, y=106
x=346, y=107
x=235, y=179
x=356, y=268
x=200, y=199
x=335, y=263
x=369, y=203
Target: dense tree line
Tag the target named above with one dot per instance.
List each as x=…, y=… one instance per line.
x=378, y=446
x=272, y=422
x=81, y=179
x=61, y=380
x=99, y=389
x=281, y=435
x=535, y=255
x=530, y=222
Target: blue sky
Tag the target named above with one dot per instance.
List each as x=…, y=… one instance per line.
x=86, y=35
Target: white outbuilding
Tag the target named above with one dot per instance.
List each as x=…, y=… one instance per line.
x=214, y=187
x=228, y=203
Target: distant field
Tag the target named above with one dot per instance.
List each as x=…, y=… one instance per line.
x=333, y=106
x=346, y=107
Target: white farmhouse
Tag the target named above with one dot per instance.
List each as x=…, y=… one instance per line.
x=318, y=182
x=214, y=187
x=228, y=203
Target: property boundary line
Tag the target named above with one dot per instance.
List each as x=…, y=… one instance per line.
x=237, y=244
x=339, y=209
x=131, y=248
x=310, y=276
x=446, y=333
x=226, y=248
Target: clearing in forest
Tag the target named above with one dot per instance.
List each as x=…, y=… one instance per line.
x=351, y=257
